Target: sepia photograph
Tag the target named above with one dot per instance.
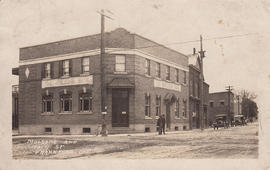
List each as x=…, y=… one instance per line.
x=107, y=83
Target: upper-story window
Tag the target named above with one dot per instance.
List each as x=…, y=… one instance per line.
x=158, y=70
x=211, y=104
x=120, y=63
x=168, y=73
x=191, y=87
x=147, y=67
x=177, y=75
x=65, y=68
x=47, y=70
x=222, y=103
x=185, y=77
x=85, y=65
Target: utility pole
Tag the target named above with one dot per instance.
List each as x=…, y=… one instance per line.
x=238, y=104
x=229, y=89
x=202, y=55
x=102, y=84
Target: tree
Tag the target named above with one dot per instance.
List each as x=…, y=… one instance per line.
x=249, y=106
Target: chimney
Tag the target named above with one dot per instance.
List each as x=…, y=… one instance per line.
x=194, y=51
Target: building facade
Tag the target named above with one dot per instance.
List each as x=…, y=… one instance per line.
x=219, y=106
x=195, y=90
x=60, y=85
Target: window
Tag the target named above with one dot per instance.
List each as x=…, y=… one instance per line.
x=158, y=70
x=196, y=89
x=120, y=63
x=86, y=130
x=65, y=68
x=47, y=70
x=158, y=105
x=222, y=103
x=47, y=103
x=167, y=73
x=48, y=129
x=66, y=102
x=177, y=110
x=184, y=108
x=66, y=130
x=177, y=75
x=147, y=105
x=86, y=102
x=185, y=77
x=211, y=104
x=191, y=88
x=85, y=65
x=147, y=67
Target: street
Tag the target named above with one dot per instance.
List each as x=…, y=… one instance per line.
x=235, y=142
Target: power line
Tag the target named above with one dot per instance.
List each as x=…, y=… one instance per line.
x=193, y=41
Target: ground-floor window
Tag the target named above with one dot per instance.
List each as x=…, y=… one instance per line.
x=158, y=105
x=86, y=102
x=66, y=102
x=47, y=103
x=177, y=108
x=184, y=108
x=147, y=105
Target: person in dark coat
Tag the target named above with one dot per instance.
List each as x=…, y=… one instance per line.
x=159, y=125
x=163, y=123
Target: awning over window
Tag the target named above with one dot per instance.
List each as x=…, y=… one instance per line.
x=169, y=98
x=120, y=83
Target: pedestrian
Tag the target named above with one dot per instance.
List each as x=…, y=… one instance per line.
x=159, y=125
x=163, y=123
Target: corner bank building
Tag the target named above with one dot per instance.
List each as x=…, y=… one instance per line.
x=60, y=85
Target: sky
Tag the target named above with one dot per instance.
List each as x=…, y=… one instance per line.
x=237, y=61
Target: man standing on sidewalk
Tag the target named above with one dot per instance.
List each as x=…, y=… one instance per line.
x=159, y=125
x=163, y=123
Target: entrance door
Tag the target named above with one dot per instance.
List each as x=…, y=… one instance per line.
x=120, y=110
x=168, y=116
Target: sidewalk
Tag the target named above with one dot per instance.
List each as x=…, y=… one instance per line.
x=15, y=134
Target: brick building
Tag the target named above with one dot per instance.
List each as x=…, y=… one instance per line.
x=59, y=85
x=218, y=105
x=194, y=93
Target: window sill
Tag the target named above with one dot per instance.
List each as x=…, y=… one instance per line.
x=120, y=72
x=84, y=113
x=184, y=84
x=147, y=117
x=47, y=113
x=146, y=75
x=169, y=81
x=65, y=77
x=84, y=74
x=178, y=118
x=157, y=117
x=158, y=78
x=65, y=113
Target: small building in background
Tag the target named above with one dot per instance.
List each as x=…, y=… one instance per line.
x=219, y=106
